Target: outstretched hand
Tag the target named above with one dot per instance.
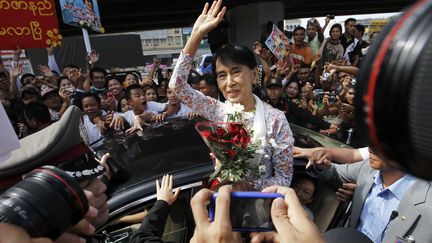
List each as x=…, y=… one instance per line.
x=164, y=190
x=209, y=18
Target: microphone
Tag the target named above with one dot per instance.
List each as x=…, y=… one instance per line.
x=393, y=215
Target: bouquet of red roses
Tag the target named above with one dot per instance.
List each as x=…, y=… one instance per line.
x=230, y=142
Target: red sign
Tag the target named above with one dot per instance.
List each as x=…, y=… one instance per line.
x=28, y=23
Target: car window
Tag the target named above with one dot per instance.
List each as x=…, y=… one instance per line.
x=176, y=229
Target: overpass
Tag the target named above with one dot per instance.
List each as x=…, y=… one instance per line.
x=135, y=15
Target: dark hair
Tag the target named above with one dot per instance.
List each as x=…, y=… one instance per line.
x=305, y=65
x=147, y=87
x=119, y=105
x=299, y=28
x=97, y=70
x=133, y=74
x=90, y=94
x=30, y=91
x=296, y=82
x=111, y=77
x=38, y=111
x=231, y=53
x=360, y=28
x=70, y=66
x=350, y=20
x=25, y=76
x=60, y=79
x=129, y=90
x=193, y=79
x=209, y=80
x=335, y=26
x=310, y=178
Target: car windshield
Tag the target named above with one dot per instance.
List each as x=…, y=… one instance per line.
x=160, y=149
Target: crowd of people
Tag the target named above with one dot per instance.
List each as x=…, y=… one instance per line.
x=312, y=86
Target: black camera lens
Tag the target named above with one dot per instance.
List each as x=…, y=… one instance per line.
x=46, y=203
x=393, y=93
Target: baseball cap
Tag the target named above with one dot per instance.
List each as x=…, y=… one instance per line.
x=83, y=168
x=274, y=83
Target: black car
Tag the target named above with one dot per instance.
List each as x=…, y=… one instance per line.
x=172, y=147
x=175, y=147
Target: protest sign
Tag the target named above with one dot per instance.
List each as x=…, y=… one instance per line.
x=28, y=24
x=278, y=43
x=83, y=14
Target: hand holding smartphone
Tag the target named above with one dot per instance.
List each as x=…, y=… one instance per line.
x=249, y=211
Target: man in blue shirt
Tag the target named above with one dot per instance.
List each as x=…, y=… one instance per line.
x=388, y=205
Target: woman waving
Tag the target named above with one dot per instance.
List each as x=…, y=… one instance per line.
x=235, y=69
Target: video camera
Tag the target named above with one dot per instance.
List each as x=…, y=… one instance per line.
x=393, y=101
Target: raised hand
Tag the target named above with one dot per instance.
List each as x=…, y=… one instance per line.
x=164, y=190
x=295, y=68
x=50, y=50
x=93, y=57
x=73, y=74
x=257, y=47
x=17, y=53
x=16, y=70
x=209, y=18
x=45, y=71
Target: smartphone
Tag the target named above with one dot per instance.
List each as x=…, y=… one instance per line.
x=249, y=211
x=110, y=95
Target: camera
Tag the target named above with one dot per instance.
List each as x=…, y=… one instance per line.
x=331, y=96
x=326, y=76
x=45, y=204
x=330, y=16
x=71, y=90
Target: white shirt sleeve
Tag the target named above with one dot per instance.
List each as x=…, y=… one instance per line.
x=52, y=64
x=364, y=152
x=129, y=116
x=155, y=107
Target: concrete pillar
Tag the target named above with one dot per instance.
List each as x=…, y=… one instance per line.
x=248, y=21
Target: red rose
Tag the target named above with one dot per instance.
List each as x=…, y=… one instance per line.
x=206, y=134
x=244, y=141
x=234, y=128
x=236, y=139
x=243, y=133
x=231, y=153
x=220, y=132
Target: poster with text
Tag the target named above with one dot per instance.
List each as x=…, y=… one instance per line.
x=278, y=43
x=28, y=24
x=82, y=13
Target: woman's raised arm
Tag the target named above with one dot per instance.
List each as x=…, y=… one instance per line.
x=207, y=21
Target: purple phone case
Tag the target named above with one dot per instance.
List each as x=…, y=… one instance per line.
x=264, y=195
